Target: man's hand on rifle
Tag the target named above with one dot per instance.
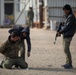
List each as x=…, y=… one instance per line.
x=58, y=34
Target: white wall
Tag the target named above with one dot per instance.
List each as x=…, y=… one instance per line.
x=36, y=10
x=21, y=20
x=45, y=3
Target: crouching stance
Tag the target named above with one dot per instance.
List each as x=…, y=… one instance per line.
x=10, y=50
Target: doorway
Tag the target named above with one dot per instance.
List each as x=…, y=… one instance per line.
x=9, y=12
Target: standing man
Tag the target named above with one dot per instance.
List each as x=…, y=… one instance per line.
x=10, y=50
x=68, y=32
x=30, y=16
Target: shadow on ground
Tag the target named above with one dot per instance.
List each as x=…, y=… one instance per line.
x=54, y=69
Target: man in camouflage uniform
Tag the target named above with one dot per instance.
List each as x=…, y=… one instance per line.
x=10, y=50
x=30, y=16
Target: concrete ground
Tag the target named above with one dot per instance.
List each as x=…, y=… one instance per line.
x=46, y=58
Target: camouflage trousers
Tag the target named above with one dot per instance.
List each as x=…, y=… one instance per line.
x=66, y=46
x=8, y=63
x=30, y=23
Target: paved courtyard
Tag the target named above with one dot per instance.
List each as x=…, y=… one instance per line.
x=46, y=58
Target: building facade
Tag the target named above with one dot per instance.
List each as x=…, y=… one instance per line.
x=54, y=9
x=44, y=10
x=13, y=9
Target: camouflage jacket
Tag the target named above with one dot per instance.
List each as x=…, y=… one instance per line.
x=9, y=49
x=30, y=15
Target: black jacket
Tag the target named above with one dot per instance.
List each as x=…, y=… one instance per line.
x=21, y=29
x=69, y=27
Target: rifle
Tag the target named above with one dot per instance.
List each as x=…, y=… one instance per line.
x=56, y=36
x=55, y=39
x=59, y=28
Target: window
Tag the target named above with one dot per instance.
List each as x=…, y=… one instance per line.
x=20, y=5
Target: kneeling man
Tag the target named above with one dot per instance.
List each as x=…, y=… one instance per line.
x=10, y=50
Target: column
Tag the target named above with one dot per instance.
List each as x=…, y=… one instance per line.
x=2, y=12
